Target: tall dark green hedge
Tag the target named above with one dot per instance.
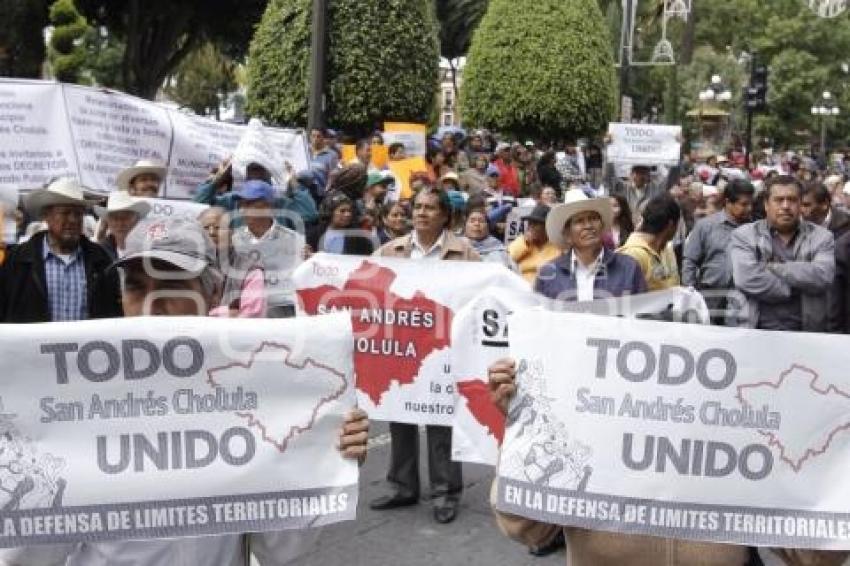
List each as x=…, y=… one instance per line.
x=383, y=62
x=540, y=68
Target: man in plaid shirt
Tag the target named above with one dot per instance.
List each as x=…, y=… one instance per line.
x=58, y=275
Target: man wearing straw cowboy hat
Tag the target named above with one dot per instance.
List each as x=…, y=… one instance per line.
x=586, y=271
x=58, y=275
x=142, y=179
x=121, y=213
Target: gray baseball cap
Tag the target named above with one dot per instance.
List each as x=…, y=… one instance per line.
x=182, y=242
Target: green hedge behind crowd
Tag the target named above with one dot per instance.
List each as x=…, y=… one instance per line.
x=542, y=69
x=383, y=62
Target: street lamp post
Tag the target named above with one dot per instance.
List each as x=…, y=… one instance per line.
x=716, y=90
x=825, y=109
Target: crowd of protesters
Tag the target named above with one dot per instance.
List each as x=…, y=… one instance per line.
x=766, y=242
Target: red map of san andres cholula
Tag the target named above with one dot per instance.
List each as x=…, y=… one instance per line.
x=817, y=425
x=477, y=396
x=393, y=334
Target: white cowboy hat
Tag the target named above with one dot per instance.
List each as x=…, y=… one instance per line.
x=450, y=176
x=120, y=201
x=143, y=166
x=575, y=201
x=64, y=190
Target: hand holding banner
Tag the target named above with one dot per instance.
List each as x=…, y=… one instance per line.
x=160, y=427
x=682, y=431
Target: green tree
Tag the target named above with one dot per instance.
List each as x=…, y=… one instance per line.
x=541, y=68
x=158, y=34
x=22, y=46
x=67, y=53
x=383, y=58
x=203, y=80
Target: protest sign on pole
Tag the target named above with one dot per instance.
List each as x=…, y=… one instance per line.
x=168, y=427
x=678, y=430
x=401, y=312
x=480, y=337
x=644, y=144
x=59, y=130
x=414, y=137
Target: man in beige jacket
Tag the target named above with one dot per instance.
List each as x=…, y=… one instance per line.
x=430, y=240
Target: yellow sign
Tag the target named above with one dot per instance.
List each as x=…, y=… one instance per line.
x=403, y=169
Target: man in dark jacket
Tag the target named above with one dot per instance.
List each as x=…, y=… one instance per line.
x=58, y=275
x=586, y=270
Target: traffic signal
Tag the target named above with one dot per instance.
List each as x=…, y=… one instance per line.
x=755, y=95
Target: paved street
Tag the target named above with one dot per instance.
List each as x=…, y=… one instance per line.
x=409, y=536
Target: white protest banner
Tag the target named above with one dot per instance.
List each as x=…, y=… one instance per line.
x=514, y=226
x=167, y=427
x=56, y=130
x=678, y=430
x=644, y=144
x=480, y=337
x=401, y=312
x=199, y=145
x=166, y=208
x=35, y=142
x=678, y=304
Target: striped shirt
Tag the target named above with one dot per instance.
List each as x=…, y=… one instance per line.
x=66, y=284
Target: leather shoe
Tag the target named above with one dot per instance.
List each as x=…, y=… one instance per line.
x=445, y=513
x=393, y=502
x=551, y=547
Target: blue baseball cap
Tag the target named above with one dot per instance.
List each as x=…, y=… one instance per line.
x=255, y=189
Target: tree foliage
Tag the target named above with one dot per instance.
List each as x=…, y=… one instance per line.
x=203, y=80
x=67, y=53
x=458, y=21
x=158, y=34
x=22, y=46
x=540, y=68
x=382, y=62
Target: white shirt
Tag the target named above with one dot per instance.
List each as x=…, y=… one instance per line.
x=585, y=276
x=264, y=238
x=434, y=252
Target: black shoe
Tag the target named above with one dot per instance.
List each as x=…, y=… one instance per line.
x=553, y=546
x=445, y=513
x=392, y=502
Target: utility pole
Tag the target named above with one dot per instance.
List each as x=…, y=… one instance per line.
x=318, y=65
x=626, y=54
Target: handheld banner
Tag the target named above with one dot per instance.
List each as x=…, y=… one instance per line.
x=169, y=427
x=61, y=130
x=401, y=312
x=678, y=430
x=413, y=136
x=166, y=208
x=480, y=337
x=515, y=227
x=644, y=144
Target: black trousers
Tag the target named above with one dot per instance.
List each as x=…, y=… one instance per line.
x=445, y=476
